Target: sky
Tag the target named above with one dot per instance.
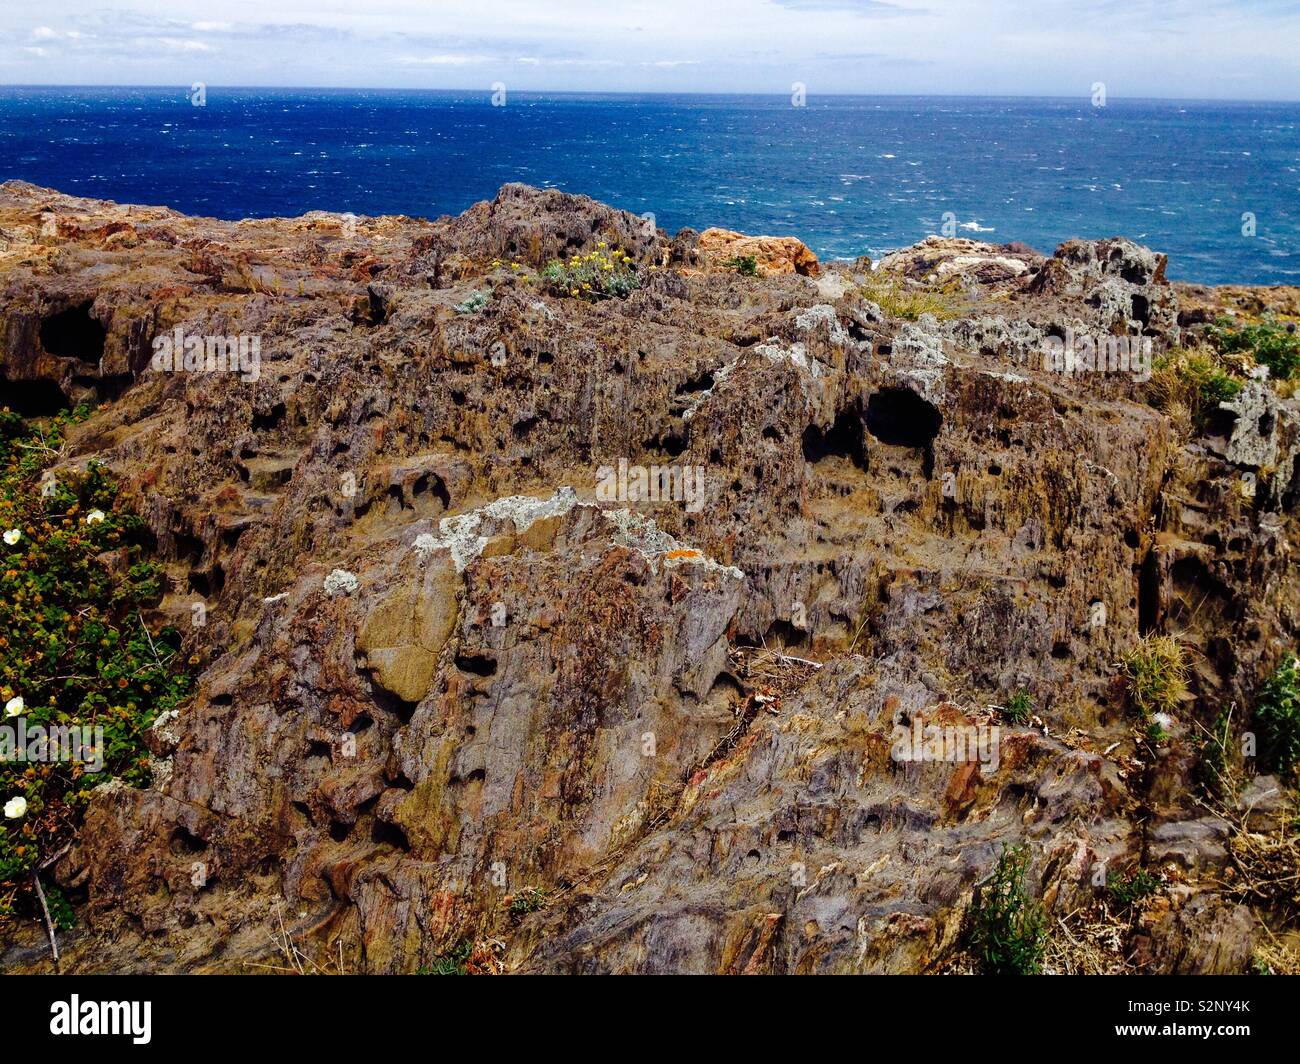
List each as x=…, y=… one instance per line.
x=1189, y=49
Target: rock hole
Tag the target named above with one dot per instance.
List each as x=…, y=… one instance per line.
x=184, y=843
x=382, y=832
x=74, y=333
x=901, y=417
x=844, y=438
x=477, y=664
x=430, y=482
x=39, y=398
x=268, y=421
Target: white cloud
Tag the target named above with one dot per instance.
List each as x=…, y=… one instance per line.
x=446, y=60
x=983, y=47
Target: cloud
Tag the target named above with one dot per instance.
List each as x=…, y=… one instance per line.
x=447, y=60
x=1187, y=48
x=852, y=7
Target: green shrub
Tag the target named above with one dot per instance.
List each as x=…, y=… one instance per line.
x=602, y=274
x=1125, y=891
x=1267, y=342
x=75, y=650
x=1194, y=380
x=454, y=961
x=528, y=900
x=1156, y=676
x=1007, y=932
x=746, y=265
x=1019, y=708
x=475, y=301
x=1278, y=716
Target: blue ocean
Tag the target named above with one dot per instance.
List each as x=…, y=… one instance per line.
x=848, y=175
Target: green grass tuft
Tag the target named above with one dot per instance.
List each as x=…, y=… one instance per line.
x=1156, y=676
x=1278, y=716
x=1007, y=931
x=1019, y=708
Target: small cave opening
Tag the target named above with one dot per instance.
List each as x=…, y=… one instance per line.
x=1219, y=423
x=844, y=438
x=430, y=482
x=378, y=308
x=185, y=843
x=384, y=833
x=699, y=383
x=900, y=417
x=477, y=664
x=270, y=420
x=74, y=333
x=786, y=635
x=38, y=398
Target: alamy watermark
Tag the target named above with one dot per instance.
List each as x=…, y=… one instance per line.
x=935, y=742
x=36, y=744
x=181, y=352
x=636, y=483
x=1073, y=354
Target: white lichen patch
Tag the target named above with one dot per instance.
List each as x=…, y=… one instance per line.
x=718, y=378
x=163, y=726
x=340, y=582
x=465, y=535
x=822, y=314
x=643, y=535
x=796, y=354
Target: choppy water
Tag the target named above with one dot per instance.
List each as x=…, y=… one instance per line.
x=849, y=175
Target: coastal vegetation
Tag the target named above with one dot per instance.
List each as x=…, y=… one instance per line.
x=745, y=265
x=1278, y=716
x=1268, y=342
x=898, y=299
x=75, y=651
x=1007, y=933
x=1189, y=385
x=1019, y=708
x=1155, y=673
x=605, y=273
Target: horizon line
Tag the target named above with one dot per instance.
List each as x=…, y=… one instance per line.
x=650, y=92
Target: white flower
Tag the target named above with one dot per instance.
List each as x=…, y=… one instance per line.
x=14, y=706
x=15, y=807
x=12, y=536
x=94, y=517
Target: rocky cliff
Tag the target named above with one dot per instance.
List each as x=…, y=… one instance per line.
x=472, y=690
